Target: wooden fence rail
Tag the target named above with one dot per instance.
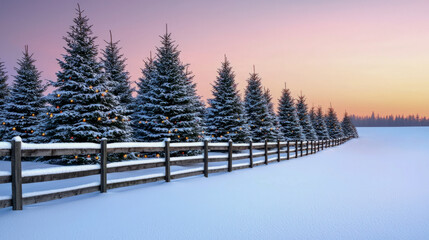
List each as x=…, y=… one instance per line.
x=17, y=150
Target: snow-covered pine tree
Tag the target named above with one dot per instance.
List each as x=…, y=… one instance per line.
x=348, y=127
x=114, y=65
x=288, y=118
x=257, y=110
x=272, y=114
x=225, y=118
x=118, y=81
x=174, y=110
x=25, y=105
x=82, y=107
x=4, y=94
x=141, y=106
x=319, y=123
x=304, y=119
x=333, y=125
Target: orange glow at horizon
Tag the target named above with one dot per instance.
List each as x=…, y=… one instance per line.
x=361, y=56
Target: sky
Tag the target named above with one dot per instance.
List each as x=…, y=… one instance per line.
x=359, y=56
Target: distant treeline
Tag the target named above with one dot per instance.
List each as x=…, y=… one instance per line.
x=389, y=121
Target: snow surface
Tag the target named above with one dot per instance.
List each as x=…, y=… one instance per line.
x=374, y=187
x=5, y=145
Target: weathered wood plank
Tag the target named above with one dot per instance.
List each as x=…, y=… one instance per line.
x=186, y=162
x=180, y=148
x=188, y=174
x=134, y=182
x=57, y=152
x=240, y=167
x=5, y=203
x=5, y=152
x=5, y=179
x=59, y=195
x=225, y=169
x=134, y=167
x=135, y=149
x=218, y=148
x=240, y=157
x=258, y=163
x=59, y=176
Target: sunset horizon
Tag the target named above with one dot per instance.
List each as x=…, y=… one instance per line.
x=359, y=57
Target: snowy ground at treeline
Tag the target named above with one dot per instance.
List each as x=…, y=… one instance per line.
x=374, y=187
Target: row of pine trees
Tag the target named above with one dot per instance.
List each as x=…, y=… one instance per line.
x=92, y=99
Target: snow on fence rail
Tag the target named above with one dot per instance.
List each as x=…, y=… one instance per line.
x=17, y=149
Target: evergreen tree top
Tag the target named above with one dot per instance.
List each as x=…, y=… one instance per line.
x=225, y=87
x=268, y=99
x=114, y=65
x=286, y=101
x=81, y=48
x=302, y=105
x=27, y=85
x=254, y=96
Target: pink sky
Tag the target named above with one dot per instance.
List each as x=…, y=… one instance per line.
x=361, y=56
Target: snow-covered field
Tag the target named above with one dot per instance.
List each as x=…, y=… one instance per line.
x=374, y=187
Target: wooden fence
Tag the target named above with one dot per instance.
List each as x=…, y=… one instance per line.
x=17, y=150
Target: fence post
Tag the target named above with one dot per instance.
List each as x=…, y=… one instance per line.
x=230, y=155
x=313, y=147
x=306, y=147
x=16, y=173
x=278, y=148
x=266, y=152
x=206, y=158
x=296, y=148
x=251, y=153
x=288, y=148
x=167, y=160
x=302, y=148
x=103, y=166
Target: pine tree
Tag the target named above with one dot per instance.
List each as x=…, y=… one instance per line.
x=319, y=124
x=348, y=127
x=82, y=107
x=174, y=109
x=141, y=115
x=25, y=105
x=225, y=117
x=118, y=81
x=272, y=116
x=288, y=118
x=114, y=64
x=304, y=119
x=334, y=127
x=4, y=94
x=257, y=110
